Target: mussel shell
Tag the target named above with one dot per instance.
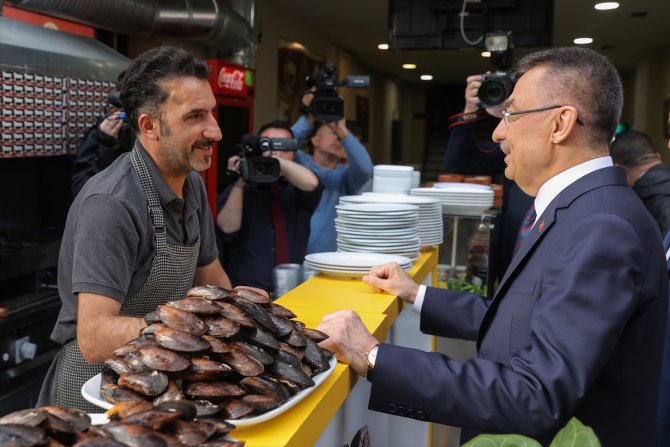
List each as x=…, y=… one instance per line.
x=79, y=420
x=124, y=409
x=22, y=435
x=213, y=390
x=118, y=365
x=296, y=338
x=206, y=408
x=282, y=326
x=134, y=360
x=262, y=337
x=194, y=433
x=151, y=330
x=255, y=311
x=114, y=393
x=134, y=435
x=232, y=312
x=148, y=383
x=31, y=417
x=59, y=429
x=299, y=353
x=222, y=427
x=171, y=394
x=266, y=387
x=221, y=327
x=222, y=442
x=315, y=335
x=314, y=356
x=186, y=409
x=180, y=341
x=181, y=320
x=242, y=363
x=153, y=419
x=236, y=409
x=202, y=369
x=288, y=384
x=254, y=351
x=98, y=441
x=217, y=345
x=208, y=292
x=108, y=376
x=285, y=369
x=251, y=295
x=164, y=359
x=261, y=403
x=279, y=310
x=288, y=357
x=152, y=317
x=198, y=306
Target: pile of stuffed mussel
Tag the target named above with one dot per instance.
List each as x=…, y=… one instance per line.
x=133, y=424
x=232, y=353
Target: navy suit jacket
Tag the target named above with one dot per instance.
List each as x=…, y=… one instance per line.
x=575, y=329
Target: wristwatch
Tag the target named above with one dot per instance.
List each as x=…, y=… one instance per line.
x=371, y=357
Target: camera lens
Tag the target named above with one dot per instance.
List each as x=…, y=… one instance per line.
x=492, y=93
x=261, y=169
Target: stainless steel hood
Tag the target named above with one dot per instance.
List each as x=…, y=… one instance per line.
x=34, y=49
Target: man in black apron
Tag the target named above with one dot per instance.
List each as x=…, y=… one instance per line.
x=140, y=233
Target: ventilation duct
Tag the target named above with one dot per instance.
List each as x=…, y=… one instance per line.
x=209, y=21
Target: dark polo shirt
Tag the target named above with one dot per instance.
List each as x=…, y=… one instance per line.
x=109, y=244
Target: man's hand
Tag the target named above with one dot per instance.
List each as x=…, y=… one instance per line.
x=234, y=165
x=472, y=100
x=340, y=128
x=112, y=125
x=348, y=338
x=394, y=280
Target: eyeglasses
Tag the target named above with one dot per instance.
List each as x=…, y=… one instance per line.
x=506, y=115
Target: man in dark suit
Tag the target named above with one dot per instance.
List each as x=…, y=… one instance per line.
x=576, y=326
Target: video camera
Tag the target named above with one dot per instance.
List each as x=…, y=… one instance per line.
x=256, y=163
x=497, y=86
x=327, y=105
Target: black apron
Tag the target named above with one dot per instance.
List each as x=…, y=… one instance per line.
x=171, y=275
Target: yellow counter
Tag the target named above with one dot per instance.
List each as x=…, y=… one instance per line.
x=302, y=425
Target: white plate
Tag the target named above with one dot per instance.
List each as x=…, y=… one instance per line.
x=356, y=259
x=98, y=418
x=91, y=392
x=390, y=168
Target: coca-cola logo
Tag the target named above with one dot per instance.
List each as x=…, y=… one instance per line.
x=231, y=78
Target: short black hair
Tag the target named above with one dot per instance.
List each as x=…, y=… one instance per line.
x=141, y=89
x=276, y=124
x=632, y=149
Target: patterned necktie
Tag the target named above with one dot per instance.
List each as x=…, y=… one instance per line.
x=279, y=223
x=526, y=226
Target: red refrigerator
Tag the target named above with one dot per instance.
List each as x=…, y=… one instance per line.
x=234, y=89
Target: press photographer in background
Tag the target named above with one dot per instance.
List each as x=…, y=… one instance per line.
x=263, y=218
x=471, y=150
x=110, y=137
x=323, y=122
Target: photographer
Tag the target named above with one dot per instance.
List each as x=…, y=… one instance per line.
x=470, y=151
x=110, y=137
x=331, y=142
x=266, y=224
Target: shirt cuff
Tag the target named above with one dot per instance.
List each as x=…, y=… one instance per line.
x=418, y=302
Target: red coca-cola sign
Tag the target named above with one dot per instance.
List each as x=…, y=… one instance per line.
x=231, y=78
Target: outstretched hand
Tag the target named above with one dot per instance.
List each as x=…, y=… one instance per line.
x=348, y=338
x=394, y=280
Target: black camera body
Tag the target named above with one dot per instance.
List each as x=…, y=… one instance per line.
x=495, y=88
x=327, y=105
x=498, y=85
x=256, y=163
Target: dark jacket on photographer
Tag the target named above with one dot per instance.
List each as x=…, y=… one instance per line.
x=97, y=151
x=251, y=253
x=653, y=187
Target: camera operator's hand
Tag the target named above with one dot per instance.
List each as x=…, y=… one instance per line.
x=472, y=100
x=340, y=129
x=229, y=218
x=300, y=176
x=307, y=104
x=112, y=125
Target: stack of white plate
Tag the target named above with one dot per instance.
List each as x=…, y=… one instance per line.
x=392, y=179
x=430, y=228
x=459, y=198
x=378, y=228
x=416, y=179
x=351, y=265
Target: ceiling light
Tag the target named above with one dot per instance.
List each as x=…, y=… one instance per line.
x=426, y=77
x=383, y=46
x=485, y=54
x=606, y=5
x=409, y=66
x=583, y=40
